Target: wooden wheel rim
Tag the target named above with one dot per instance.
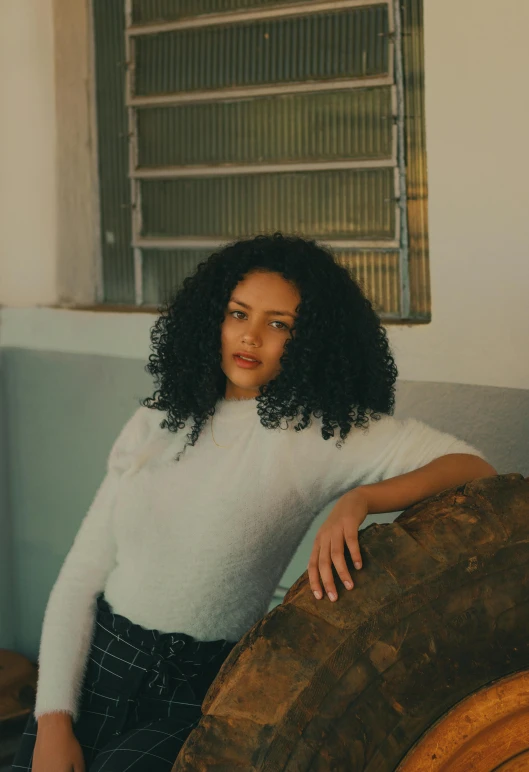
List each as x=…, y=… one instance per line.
x=486, y=732
x=517, y=764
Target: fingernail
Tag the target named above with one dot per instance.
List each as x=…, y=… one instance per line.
x=317, y=595
x=332, y=596
x=358, y=565
x=349, y=585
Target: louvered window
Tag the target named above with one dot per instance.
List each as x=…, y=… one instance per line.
x=219, y=119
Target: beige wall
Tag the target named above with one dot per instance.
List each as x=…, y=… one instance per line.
x=477, y=119
x=477, y=59
x=27, y=154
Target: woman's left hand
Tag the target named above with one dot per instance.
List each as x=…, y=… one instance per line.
x=340, y=529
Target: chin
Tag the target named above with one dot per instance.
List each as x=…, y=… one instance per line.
x=245, y=383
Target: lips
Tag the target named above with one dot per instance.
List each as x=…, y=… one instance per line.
x=245, y=354
x=244, y=363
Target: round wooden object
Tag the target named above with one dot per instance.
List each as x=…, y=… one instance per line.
x=439, y=611
x=18, y=681
x=518, y=764
x=487, y=731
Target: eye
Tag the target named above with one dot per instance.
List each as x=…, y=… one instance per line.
x=276, y=321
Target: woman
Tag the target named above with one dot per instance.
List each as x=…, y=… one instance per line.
x=262, y=354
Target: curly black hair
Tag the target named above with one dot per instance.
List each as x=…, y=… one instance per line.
x=337, y=366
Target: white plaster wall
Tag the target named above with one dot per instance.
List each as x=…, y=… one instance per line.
x=28, y=253
x=477, y=119
x=477, y=114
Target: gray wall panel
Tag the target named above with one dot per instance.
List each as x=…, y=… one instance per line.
x=492, y=419
x=6, y=567
x=64, y=412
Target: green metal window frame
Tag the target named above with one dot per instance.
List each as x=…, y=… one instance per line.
x=127, y=249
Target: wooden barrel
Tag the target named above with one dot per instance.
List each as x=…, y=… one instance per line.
x=435, y=632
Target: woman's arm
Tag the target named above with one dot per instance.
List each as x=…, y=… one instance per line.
x=69, y=618
x=391, y=495
x=403, y=491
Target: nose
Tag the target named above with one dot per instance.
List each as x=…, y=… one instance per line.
x=251, y=342
x=252, y=336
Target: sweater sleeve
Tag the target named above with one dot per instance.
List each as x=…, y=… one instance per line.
x=69, y=617
x=387, y=448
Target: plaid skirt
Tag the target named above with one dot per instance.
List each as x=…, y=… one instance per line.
x=141, y=696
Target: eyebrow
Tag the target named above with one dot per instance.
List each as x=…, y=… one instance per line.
x=275, y=313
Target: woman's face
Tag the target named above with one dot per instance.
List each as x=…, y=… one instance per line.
x=257, y=322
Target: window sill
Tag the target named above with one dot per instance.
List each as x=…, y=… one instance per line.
x=153, y=310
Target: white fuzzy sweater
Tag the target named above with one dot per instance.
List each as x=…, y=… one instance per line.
x=199, y=546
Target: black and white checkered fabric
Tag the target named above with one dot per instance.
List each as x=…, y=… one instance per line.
x=141, y=697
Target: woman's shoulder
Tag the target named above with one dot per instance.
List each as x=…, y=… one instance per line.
x=138, y=430
x=140, y=422
x=382, y=424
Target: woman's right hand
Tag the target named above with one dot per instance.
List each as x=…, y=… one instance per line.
x=57, y=748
